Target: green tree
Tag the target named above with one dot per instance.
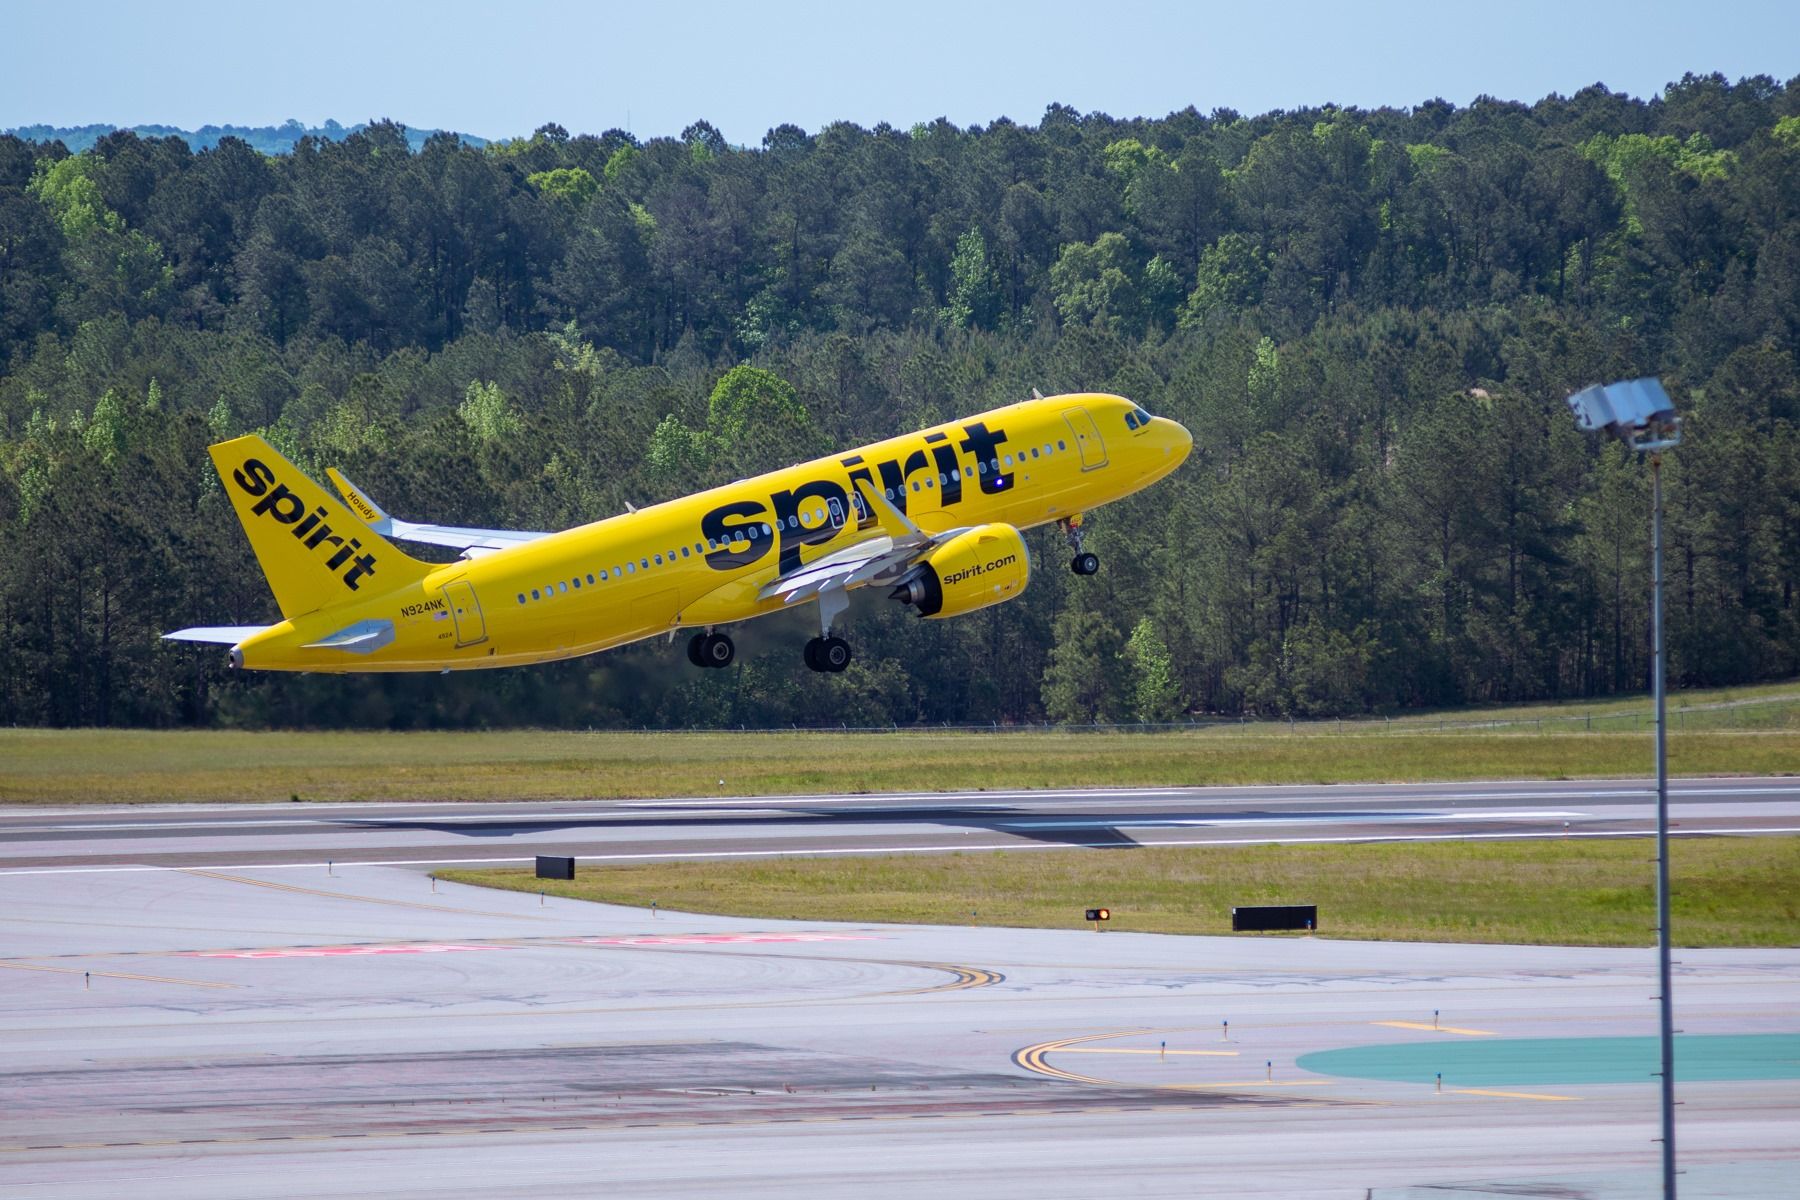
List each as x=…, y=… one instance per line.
x=1099, y=284
x=1156, y=697
x=572, y=185
x=974, y=299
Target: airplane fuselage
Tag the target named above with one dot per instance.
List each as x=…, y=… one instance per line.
x=705, y=559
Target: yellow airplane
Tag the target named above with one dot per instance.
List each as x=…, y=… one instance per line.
x=934, y=517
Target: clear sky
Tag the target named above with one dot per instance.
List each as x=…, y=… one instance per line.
x=502, y=69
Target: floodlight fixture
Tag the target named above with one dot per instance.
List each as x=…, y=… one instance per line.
x=1636, y=411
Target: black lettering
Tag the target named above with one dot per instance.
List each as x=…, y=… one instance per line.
x=281, y=504
x=337, y=560
x=984, y=446
x=894, y=476
x=260, y=477
x=362, y=564
x=718, y=525
x=951, y=469
x=794, y=534
x=313, y=518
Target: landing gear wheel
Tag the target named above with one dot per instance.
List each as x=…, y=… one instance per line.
x=694, y=649
x=830, y=654
x=716, y=650
x=1086, y=563
x=834, y=654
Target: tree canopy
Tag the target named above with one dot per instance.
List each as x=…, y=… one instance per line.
x=1368, y=318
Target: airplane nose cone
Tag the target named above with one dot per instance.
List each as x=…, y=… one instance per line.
x=1180, y=441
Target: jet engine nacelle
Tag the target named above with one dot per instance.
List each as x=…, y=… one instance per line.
x=984, y=566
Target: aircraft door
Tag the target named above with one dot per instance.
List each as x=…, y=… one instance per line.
x=465, y=610
x=1087, y=437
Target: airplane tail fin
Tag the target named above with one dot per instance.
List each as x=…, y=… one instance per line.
x=314, y=551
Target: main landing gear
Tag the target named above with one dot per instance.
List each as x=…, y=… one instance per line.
x=711, y=650
x=827, y=654
x=1084, y=563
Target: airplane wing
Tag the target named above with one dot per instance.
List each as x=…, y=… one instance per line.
x=877, y=559
x=469, y=540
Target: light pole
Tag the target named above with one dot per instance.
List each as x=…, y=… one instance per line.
x=1639, y=413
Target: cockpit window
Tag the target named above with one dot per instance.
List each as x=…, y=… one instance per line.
x=1131, y=421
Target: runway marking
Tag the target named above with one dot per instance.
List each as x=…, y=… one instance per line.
x=1511, y=1095
x=1437, y=1028
x=339, y=951
x=1688, y=786
x=200, y=983
x=948, y=847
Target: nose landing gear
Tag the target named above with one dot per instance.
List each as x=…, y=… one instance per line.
x=1084, y=563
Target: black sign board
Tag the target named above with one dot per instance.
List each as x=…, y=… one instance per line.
x=1274, y=916
x=555, y=868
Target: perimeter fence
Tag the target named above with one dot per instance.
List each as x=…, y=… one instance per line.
x=1774, y=713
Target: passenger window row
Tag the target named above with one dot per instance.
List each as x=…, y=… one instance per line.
x=817, y=515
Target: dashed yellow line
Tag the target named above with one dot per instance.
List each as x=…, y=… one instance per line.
x=200, y=983
x=306, y=891
x=1437, y=1028
x=1511, y=1095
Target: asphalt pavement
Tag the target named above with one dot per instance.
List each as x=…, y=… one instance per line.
x=427, y=835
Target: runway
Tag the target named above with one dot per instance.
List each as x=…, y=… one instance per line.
x=208, y=1033
x=426, y=835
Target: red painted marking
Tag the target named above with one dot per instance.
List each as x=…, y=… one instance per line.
x=339, y=951
x=712, y=939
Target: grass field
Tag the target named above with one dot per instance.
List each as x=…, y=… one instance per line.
x=1757, y=732
x=1725, y=891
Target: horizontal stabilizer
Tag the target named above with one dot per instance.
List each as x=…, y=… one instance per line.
x=223, y=635
x=469, y=540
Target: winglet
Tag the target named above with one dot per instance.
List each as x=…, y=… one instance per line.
x=360, y=503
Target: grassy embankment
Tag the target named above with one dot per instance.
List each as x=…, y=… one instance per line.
x=1726, y=891
x=1758, y=734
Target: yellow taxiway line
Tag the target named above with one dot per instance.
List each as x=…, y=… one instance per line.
x=20, y=966
x=1511, y=1095
x=1437, y=1028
